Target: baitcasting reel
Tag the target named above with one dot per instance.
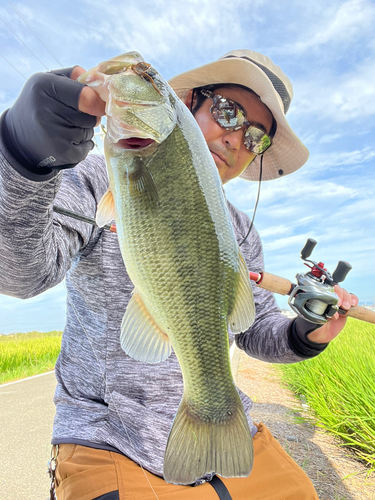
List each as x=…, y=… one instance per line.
x=314, y=297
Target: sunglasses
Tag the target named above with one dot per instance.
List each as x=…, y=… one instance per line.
x=231, y=116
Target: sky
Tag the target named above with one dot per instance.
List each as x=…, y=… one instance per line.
x=327, y=49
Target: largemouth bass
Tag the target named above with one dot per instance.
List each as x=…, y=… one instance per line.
x=179, y=248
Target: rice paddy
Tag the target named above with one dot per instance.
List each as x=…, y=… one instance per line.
x=339, y=388
x=26, y=354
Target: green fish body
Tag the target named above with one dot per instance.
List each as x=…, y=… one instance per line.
x=179, y=248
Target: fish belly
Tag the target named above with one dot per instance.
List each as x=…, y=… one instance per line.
x=182, y=257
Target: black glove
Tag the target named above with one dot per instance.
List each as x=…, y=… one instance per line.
x=44, y=130
x=299, y=341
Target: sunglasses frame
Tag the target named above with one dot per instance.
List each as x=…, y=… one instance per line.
x=250, y=129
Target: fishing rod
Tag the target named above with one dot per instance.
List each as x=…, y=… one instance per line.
x=313, y=297
x=83, y=218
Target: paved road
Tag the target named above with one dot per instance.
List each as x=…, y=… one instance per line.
x=26, y=416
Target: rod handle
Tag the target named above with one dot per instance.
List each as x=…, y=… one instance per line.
x=273, y=283
x=362, y=313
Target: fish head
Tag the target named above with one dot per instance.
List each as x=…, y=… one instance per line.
x=140, y=105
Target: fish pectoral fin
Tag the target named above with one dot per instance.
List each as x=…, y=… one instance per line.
x=106, y=209
x=141, y=338
x=142, y=185
x=243, y=313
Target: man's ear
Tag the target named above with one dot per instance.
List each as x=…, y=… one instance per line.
x=188, y=98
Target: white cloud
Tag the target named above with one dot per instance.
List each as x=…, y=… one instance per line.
x=337, y=159
x=339, y=97
x=327, y=139
x=159, y=31
x=336, y=23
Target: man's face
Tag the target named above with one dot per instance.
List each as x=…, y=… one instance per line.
x=227, y=147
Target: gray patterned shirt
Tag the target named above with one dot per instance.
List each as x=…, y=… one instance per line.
x=104, y=398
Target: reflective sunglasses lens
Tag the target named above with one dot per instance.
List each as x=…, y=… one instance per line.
x=256, y=140
x=227, y=113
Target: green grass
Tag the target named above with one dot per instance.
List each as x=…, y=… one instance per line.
x=339, y=387
x=26, y=354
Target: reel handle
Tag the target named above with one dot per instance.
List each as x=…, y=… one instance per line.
x=308, y=248
x=341, y=272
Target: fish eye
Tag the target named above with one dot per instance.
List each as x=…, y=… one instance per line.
x=111, y=67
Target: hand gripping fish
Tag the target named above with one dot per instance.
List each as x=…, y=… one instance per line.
x=179, y=248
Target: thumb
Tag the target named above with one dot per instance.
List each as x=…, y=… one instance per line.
x=89, y=101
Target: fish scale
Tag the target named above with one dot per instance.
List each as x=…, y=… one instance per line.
x=180, y=252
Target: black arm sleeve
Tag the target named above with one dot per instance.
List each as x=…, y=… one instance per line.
x=298, y=339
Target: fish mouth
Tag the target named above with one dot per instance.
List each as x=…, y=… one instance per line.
x=133, y=143
x=124, y=136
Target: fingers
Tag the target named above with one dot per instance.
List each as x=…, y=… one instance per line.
x=89, y=101
x=346, y=299
x=335, y=324
x=354, y=300
x=76, y=72
x=63, y=71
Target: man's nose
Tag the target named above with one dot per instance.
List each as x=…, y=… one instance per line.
x=233, y=139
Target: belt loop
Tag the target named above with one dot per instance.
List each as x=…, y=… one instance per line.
x=220, y=488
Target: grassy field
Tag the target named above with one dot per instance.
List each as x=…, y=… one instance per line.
x=339, y=388
x=26, y=354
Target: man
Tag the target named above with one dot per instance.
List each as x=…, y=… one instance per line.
x=113, y=414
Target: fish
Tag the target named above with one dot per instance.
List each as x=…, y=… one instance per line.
x=178, y=245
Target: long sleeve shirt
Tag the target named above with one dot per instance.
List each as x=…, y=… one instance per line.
x=104, y=398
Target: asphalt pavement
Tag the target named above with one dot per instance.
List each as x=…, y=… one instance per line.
x=26, y=417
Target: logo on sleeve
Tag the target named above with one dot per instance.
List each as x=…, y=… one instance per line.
x=46, y=161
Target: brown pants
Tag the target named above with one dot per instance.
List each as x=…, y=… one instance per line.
x=85, y=473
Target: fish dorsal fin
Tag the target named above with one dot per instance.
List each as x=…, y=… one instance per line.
x=141, y=338
x=106, y=209
x=243, y=313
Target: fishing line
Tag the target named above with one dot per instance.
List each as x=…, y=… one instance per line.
x=21, y=16
x=24, y=43
x=13, y=66
x=257, y=200
x=105, y=383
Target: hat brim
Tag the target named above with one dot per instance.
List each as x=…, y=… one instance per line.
x=287, y=153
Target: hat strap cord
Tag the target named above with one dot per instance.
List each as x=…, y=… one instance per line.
x=257, y=200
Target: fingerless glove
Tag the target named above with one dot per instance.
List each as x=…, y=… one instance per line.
x=44, y=131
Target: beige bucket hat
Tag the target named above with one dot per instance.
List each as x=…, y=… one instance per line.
x=256, y=71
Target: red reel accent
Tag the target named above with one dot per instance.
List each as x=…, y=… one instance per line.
x=318, y=271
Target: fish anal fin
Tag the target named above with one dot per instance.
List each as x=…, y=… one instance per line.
x=243, y=313
x=106, y=209
x=198, y=446
x=141, y=338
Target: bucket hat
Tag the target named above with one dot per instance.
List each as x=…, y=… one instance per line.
x=257, y=72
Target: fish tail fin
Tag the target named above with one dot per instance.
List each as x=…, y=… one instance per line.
x=198, y=446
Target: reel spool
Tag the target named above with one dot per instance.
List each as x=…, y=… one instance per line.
x=314, y=297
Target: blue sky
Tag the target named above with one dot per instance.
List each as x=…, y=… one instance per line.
x=326, y=48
